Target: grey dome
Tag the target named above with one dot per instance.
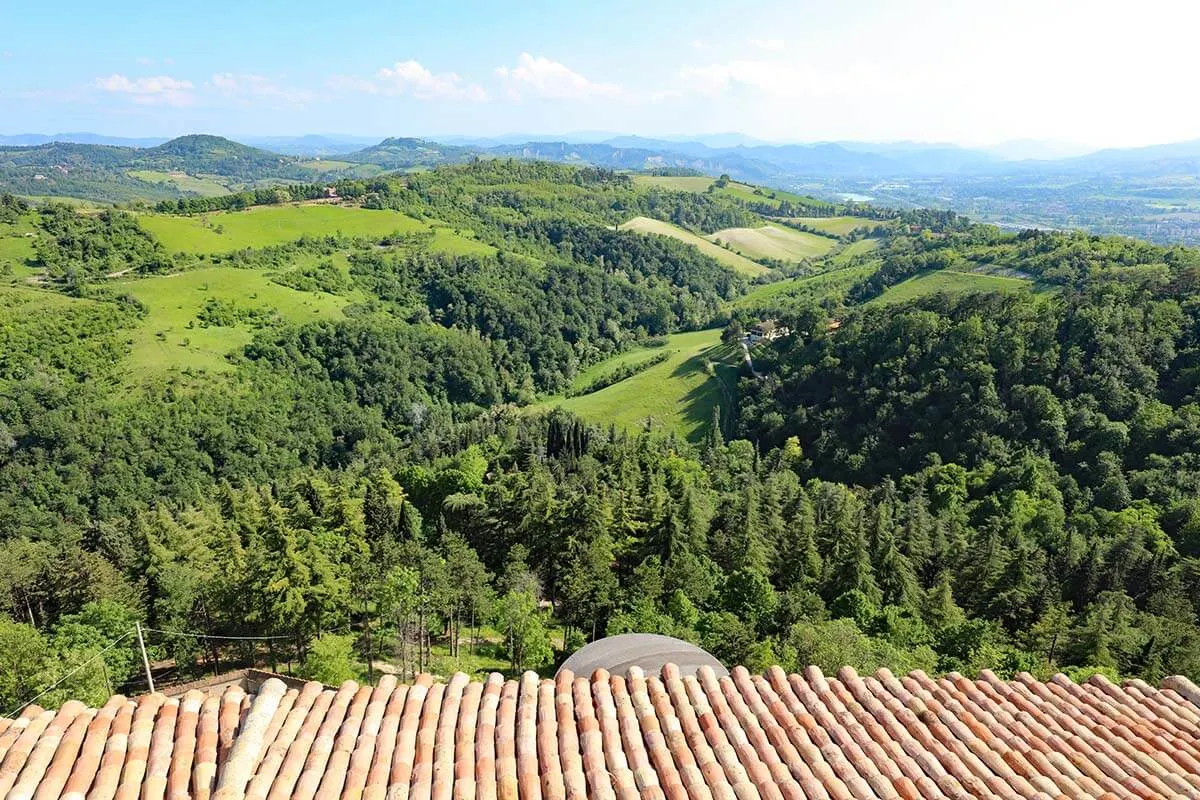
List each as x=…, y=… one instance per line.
x=646, y=650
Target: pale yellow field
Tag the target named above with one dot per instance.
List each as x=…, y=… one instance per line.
x=772, y=241
x=732, y=260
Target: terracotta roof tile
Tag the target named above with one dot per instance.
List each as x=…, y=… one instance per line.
x=612, y=737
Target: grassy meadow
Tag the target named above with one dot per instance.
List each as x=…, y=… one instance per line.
x=685, y=183
x=834, y=226
x=950, y=282
x=16, y=248
x=261, y=226
x=745, y=192
x=209, y=187
x=170, y=337
x=810, y=287
x=772, y=241
x=848, y=253
x=764, y=195
x=734, y=261
x=677, y=395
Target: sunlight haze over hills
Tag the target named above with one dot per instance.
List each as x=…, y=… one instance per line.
x=1085, y=73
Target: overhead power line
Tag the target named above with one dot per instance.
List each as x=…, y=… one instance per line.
x=213, y=636
x=57, y=683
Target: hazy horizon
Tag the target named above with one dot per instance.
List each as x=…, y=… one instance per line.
x=1049, y=146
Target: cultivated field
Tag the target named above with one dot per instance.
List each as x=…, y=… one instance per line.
x=678, y=394
x=836, y=226
x=772, y=241
x=950, y=282
x=730, y=259
x=225, y=231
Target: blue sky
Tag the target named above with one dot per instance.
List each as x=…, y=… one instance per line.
x=1100, y=73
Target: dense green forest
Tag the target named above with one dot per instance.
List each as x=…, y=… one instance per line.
x=951, y=483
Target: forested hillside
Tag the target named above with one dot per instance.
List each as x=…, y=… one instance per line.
x=331, y=440
x=109, y=173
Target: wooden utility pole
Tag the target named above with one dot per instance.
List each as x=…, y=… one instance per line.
x=145, y=660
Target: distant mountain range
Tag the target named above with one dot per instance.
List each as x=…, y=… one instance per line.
x=741, y=156
x=1151, y=192
x=34, y=139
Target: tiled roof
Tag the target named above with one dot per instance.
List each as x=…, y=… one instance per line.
x=666, y=736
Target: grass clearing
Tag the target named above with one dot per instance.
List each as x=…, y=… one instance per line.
x=226, y=231
x=31, y=300
x=681, y=183
x=748, y=193
x=677, y=395
x=772, y=241
x=950, y=282
x=17, y=247
x=458, y=243
x=810, y=287
x=163, y=341
x=75, y=202
x=208, y=187
x=326, y=165
x=835, y=226
x=734, y=261
x=851, y=251
x=610, y=365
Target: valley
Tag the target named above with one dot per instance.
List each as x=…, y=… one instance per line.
x=576, y=401
x=494, y=363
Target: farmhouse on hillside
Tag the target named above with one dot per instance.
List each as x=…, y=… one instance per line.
x=768, y=329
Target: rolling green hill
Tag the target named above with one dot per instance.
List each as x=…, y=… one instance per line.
x=764, y=198
x=197, y=164
x=946, y=479
x=267, y=225
x=173, y=336
x=950, y=282
x=769, y=199
x=192, y=184
x=809, y=288
x=406, y=153
x=730, y=259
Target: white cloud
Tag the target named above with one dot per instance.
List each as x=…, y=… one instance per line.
x=157, y=90
x=247, y=88
x=550, y=79
x=768, y=44
x=409, y=77
x=698, y=44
